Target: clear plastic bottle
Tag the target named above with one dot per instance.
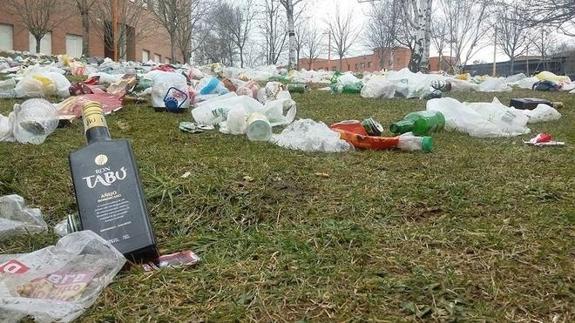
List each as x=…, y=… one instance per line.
x=409, y=142
x=259, y=127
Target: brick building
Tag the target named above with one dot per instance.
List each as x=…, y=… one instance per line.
x=66, y=37
x=381, y=59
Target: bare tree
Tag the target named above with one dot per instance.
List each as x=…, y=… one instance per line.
x=273, y=30
x=237, y=21
x=84, y=7
x=343, y=33
x=552, y=13
x=418, y=15
x=440, y=37
x=383, y=30
x=302, y=29
x=169, y=14
x=39, y=16
x=512, y=34
x=131, y=23
x=289, y=6
x=312, y=44
x=541, y=40
x=468, y=25
x=190, y=31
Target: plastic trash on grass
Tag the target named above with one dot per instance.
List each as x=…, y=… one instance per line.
x=16, y=218
x=310, y=136
x=33, y=121
x=57, y=283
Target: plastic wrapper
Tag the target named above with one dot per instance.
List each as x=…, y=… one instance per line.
x=494, y=85
x=6, y=129
x=57, y=283
x=16, y=218
x=543, y=113
x=310, y=136
x=71, y=108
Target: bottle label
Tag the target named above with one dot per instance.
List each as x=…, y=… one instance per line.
x=94, y=120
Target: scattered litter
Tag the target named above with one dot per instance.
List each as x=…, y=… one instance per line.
x=186, y=175
x=175, y=260
x=310, y=136
x=16, y=218
x=30, y=123
x=190, y=127
x=324, y=175
x=544, y=140
x=57, y=283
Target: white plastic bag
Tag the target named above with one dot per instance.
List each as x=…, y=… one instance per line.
x=494, y=85
x=5, y=129
x=163, y=82
x=310, y=136
x=378, y=87
x=16, y=218
x=489, y=123
x=57, y=283
x=542, y=113
x=33, y=121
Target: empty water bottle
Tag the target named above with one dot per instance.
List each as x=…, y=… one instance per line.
x=259, y=127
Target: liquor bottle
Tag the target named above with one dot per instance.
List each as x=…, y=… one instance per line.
x=109, y=192
x=420, y=123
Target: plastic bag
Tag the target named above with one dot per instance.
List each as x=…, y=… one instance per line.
x=310, y=136
x=33, y=121
x=377, y=88
x=162, y=88
x=542, y=113
x=494, y=85
x=496, y=121
x=57, y=283
x=5, y=129
x=16, y=218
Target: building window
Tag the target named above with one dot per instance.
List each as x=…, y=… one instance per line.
x=74, y=45
x=368, y=64
x=157, y=58
x=362, y=65
x=167, y=60
x=334, y=68
x=145, y=55
x=45, y=44
x=6, y=37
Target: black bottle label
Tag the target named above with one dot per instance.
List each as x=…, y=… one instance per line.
x=110, y=198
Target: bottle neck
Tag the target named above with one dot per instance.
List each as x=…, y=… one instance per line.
x=96, y=134
x=402, y=126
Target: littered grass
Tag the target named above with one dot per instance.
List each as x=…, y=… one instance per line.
x=478, y=230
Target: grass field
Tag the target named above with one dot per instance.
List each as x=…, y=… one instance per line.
x=478, y=230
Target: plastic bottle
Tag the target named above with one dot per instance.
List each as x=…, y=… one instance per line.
x=259, y=128
x=420, y=123
x=34, y=120
x=409, y=142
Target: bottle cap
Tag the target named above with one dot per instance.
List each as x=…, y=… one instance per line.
x=427, y=144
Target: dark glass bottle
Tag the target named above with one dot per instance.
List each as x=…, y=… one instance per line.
x=109, y=192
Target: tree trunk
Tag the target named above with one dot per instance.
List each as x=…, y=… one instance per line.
x=85, y=34
x=297, y=64
x=341, y=63
x=512, y=66
x=241, y=57
x=291, y=33
x=173, y=46
x=420, y=56
x=38, y=42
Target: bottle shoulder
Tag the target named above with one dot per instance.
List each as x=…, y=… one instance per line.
x=101, y=145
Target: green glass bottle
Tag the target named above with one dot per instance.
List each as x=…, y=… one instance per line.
x=420, y=123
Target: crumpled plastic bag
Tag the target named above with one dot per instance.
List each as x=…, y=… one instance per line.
x=71, y=108
x=378, y=87
x=43, y=84
x=548, y=76
x=494, y=85
x=5, y=129
x=310, y=136
x=16, y=218
x=57, y=283
x=33, y=121
x=542, y=113
x=483, y=120
x=162, y=85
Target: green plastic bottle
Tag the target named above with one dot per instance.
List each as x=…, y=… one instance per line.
x=420, y=123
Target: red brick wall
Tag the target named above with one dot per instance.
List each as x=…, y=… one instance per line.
x=369, y=63
x=156, y=41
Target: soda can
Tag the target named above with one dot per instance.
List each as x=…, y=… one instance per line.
x=372, y=127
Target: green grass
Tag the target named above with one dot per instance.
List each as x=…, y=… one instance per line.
x=478, y=230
